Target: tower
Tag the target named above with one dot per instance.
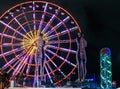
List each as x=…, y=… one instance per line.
x=105, y=69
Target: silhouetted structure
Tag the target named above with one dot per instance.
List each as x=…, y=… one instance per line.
x=81, y=57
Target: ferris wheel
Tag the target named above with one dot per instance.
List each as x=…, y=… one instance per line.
x=37, y=38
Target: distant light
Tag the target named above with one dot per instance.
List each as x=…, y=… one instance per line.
x=56, y=10
x=17, y=10
x=43, y=6
x=113, y=83
x=30, y=6
x=33, y=2
x=50, y=8
x=90, y=80
x=11, y=13
x=24, y=8
x=62, y=13
x=72, y=22
x=37, y=6
x=6, y=17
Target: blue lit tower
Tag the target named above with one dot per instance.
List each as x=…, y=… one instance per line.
x=105, y=69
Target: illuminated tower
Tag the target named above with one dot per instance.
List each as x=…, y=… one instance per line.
x=105, y=69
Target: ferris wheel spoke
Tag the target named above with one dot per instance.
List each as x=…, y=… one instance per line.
x=10, y=44
x=18, y=22
x=58, y=25
x=32, y=35
x=62, y=49
x=23, y=61
x=66, y=31
x=29, y=36
x=50, y=68
x=28, y=67
x=9, y=36
x=15, y=64
x=49, y=64
x=34, y=16
x=43, y=16
x=7, y=25
x=26, y=19
x=18, y=61
x=55, y=65
x=61, y=58
x=62, y=41
x=21, y=64
x=48, y=24
x=8, y=63
x=24, y=65
x=10, y=52
x=50, y=21
x=48, y=75
x=11, y=61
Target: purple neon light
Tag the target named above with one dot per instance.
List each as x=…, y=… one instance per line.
x=11, y=61
x=43, y=16
x=9, y=36
x=28, y=67
x=62, y=41
x=19, y=67
x=26, y=18
x=50, y=21
x=62, y=49
x=10, y=44
x=34, y=16
x=58, y=25
x=60, y=57
x=55, y=65
x=48, y=75
x=11, y=28
x=22, y=62
x=62, y=33
x=10, y=52
x=50, y=68
x=48, y=24
x=19, y=23
x=14, y=64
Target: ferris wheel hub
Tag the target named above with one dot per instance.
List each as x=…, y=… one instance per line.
x=29, y=42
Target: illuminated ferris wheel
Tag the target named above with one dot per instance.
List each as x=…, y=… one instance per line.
x=37, y=38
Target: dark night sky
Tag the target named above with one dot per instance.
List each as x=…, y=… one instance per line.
x=100, y=22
